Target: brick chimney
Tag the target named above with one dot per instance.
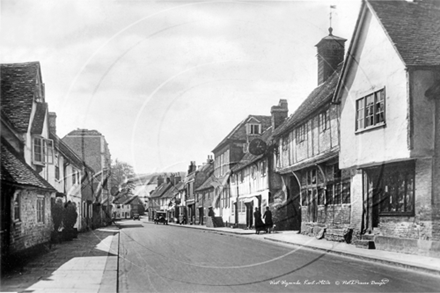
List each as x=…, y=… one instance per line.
x=177, y=178
x=160, y=180
x=53, y=122
x=192, y=167
x=279, y=113
x=331, y=51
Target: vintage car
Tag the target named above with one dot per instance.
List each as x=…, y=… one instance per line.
x=136, y=217
x=161, y=217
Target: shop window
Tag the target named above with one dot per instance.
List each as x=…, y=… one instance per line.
x=321, y=196
x=397, y=186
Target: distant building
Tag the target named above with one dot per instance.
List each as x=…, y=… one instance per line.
x=91, y=147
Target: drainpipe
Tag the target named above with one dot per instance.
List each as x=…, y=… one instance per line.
x=433, y=93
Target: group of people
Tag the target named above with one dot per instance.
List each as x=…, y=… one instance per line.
x=259, y=224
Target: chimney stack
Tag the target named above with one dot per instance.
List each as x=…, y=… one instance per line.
x=53, y=122
x=331, y=51
x=279, y=113
x=192, y=167
x=159, y=180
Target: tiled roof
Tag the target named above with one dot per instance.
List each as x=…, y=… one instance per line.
x=318, y=97
x=66, y=150
x=414, y=28
x=170, y=192
x=239, y=131
x=207, y=184
x=249, y=158
x=160, y=190
x=18, y=83
x=38, y=121
x=14, y=170
x=122, y=196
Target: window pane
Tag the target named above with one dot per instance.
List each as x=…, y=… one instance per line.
x=37, y=150
x=48, y=146
x=380, y=106
x=337, y=193
x=369, y=111
x=360, y=114
x=346, y=192
x=329, y=199
x=409, y=193
x=321, y=196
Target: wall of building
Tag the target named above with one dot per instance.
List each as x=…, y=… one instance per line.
x=27, y=232
x=377, y=66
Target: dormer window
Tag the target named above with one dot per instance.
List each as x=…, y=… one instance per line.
x=42, y=151
x=254, y=129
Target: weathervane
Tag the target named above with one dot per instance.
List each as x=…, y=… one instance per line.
x=330, y=28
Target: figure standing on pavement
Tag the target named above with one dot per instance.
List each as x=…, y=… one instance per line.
x=268, y=219
x=259, y=225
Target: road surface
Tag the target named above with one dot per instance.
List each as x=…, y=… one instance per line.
x=159, y=258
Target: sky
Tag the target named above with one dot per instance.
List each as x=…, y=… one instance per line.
x=166, y=81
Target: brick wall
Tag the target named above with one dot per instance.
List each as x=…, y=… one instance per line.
x=27, y=233
x=87, y=148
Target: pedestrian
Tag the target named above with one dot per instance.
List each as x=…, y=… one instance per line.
x=211, y=212
x=259, y=225
x=268, y=220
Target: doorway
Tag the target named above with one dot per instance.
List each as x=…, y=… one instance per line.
x=249, y=214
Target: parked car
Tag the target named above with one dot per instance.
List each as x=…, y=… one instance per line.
x=161, y=217
x=136, y=217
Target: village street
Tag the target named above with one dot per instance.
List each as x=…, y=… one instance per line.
x=160, y=258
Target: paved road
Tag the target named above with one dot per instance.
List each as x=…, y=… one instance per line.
x=157, y=258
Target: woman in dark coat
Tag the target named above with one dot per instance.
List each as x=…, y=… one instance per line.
x=259, y=225
x=268, y=219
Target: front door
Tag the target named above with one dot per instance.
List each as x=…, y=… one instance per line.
x=201, y=215
x=249, y=214
x=371, y=196
x=293, y=208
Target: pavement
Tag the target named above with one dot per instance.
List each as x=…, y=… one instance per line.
x=88, y=263
x=424, y=264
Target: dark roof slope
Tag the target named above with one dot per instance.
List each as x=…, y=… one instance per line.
x=318, y=97
x=207, y=184
x=160, y=190
x=67, y=151
x=14, y=170
x=239, y=131
x=414, y=28
x=18, y=84
x=249, y=158
x=38, y=121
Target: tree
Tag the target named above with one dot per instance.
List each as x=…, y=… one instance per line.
x=120, y=172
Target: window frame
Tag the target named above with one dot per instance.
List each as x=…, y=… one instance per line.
x=397, y=170
x=301, y=133
x=40, y=207
x=45, y=151
x=254, y=129
x=17, y=207
x=324, y=120
x=367, y=115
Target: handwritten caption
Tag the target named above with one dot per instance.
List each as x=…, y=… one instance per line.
x=286, y=283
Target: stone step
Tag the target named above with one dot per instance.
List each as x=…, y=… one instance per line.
x=366, y=244
x=368, y=237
